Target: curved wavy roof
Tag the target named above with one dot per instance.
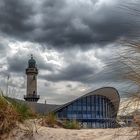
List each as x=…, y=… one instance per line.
x=109, y=92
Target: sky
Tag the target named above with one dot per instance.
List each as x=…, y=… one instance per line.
x=72, y=42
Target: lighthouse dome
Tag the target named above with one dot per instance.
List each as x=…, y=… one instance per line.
x=32, y=62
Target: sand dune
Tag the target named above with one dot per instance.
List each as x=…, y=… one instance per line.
x=46, y=133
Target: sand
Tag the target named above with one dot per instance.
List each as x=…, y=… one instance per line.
x=46, y=133
x=86, y=134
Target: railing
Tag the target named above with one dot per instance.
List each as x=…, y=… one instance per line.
x=31, y=96
x=32, y=70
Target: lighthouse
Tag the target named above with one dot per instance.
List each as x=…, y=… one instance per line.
x=31, y=72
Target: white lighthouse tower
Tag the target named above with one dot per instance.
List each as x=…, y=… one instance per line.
x=31, y=72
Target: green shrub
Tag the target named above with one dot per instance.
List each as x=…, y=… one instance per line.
x=71, y=124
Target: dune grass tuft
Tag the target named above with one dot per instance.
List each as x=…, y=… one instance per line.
x=12, y=112
x=23, y=110
x=50, y=120
x=8, y=116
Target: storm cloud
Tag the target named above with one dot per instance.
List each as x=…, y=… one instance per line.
x=66, y=23
x=71, y=41
x=73, y=72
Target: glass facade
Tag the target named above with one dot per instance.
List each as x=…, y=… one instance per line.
x=94, y=111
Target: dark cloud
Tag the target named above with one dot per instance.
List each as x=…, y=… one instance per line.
x=85, y=25
x=73, y=72
x=60, y=25
x=44, y=65
x=19, y=62
x=15, y=18
x=63, y=24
